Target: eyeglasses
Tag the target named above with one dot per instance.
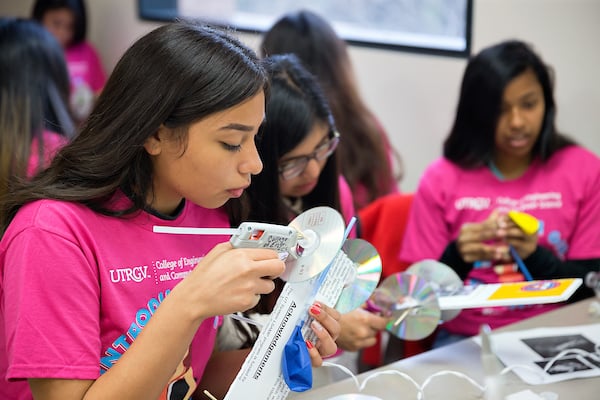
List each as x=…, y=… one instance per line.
x=293, y=167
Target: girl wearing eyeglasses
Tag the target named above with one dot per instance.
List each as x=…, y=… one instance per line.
x=96, y=305
x=371, y=165
x=297, y=144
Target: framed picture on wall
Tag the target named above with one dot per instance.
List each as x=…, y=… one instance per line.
x=429, y=26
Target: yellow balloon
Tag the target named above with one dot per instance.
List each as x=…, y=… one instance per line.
x=527, y=222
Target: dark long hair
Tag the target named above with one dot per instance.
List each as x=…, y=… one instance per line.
x=363, y=154
x=470, y=143
x=173, y=76
x=34, y=91
x=77, y=7
x=296, y=103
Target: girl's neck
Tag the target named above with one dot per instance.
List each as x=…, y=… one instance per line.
x=508, y=169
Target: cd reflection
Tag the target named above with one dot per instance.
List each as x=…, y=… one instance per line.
x=366, y=275
x=410, y=303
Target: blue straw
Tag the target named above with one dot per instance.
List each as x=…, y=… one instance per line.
x=323, y=274
x=321, y=278
x=520, y=263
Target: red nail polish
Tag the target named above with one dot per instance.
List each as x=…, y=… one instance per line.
x=309, y=344
x=315, y=310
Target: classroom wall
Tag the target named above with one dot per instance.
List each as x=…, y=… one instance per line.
x=415, y=95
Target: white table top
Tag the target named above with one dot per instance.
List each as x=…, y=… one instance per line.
x=464, y=357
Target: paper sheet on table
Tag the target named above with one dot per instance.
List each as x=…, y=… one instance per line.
x=261, y=375
x=535, y=347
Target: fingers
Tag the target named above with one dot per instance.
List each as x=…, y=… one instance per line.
x=365, y=342
x=489, y=229
x=377, y=322
x=326, y=327
x=315, y=358
x=359, y=329
x=261, y=266
x=327, y=317
x=524, y=243
x=264, y=286
x=491, y=239
x=472, y=252
x=524, y=246
x=217, y=251
x=237, y=277
x=273, y=266
x=478, y=232
x=485, y=241
x=325, y=344
x=515, y=235
x=357, y=340
x=268, y=263
x=256, y=269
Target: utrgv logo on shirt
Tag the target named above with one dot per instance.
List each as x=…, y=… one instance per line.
x=135, y=274
x=472, y=203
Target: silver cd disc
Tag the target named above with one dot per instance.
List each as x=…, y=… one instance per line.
x=442, y=278
x=366, y=275
x=321, y=231
x=410, y=302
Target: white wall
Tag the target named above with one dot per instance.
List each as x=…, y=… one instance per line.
x=415, y=95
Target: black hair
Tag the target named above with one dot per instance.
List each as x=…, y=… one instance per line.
x=470, y=143
x=34, y=92
x=296, y=103
x=364, y=151
x=173, y=76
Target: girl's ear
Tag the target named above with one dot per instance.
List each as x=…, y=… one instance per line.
x=153, y=144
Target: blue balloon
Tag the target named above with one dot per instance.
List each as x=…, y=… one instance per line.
x=296, y=364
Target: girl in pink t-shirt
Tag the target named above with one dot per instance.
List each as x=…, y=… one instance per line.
x=504, y=153
x=66, y=20
x=34, y=113
x=94, y=303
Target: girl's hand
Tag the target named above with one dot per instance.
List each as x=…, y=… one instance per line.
x=327, y=328
x=484, y=240
x=523, y=243
x=227, y=280
x=359, y=329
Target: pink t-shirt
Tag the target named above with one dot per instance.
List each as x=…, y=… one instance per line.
x=78, y=287
x=563, y=193
x=84, y=65
x=52, y=142
x=86, y=75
